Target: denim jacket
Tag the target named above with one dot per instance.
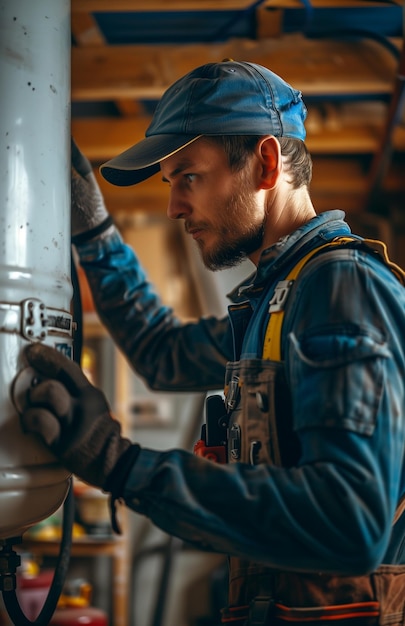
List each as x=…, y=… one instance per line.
x=344, y=353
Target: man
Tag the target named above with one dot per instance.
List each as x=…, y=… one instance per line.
x=308, y=504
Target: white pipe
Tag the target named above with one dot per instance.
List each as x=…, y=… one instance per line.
x=35, y=287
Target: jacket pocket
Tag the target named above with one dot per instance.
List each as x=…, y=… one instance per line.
x=337, y=379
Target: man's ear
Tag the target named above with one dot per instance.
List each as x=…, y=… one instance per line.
x=268, y=151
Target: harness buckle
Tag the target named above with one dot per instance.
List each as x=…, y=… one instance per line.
x=261, y=611
x=280, y=295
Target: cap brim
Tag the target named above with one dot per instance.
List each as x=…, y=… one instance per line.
x=142, y=160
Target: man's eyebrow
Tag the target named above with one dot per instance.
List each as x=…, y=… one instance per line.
x=180, y=167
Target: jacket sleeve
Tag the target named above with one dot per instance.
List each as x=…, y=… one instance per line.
x=333, y=511
x=166, y=353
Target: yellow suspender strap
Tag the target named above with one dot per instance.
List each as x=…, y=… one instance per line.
x=381, y=249
x=272, y=338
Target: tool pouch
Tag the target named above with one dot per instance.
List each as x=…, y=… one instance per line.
x=376, y=599
x=212, y=453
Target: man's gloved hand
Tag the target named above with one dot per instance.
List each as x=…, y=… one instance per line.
x=89, y=213
x=73, y=418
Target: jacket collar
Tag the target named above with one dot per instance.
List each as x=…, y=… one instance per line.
x=321, y=228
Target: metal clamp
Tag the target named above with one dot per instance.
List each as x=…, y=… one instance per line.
x=34, y=319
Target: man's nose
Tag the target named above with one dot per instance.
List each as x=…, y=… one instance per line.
x=177, y=208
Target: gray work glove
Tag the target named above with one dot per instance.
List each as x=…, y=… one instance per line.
x=89, y=214
x=73, y=419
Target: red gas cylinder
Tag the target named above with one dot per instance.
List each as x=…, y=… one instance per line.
x=74, y=616
x=33, y=588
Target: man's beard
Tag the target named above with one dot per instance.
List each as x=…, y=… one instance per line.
x=239, y=237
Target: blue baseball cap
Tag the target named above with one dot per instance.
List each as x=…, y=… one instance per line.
x=227, y=98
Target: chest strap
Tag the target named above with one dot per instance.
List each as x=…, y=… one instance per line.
x=272, y=338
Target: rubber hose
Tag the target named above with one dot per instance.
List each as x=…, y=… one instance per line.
x=10, y=597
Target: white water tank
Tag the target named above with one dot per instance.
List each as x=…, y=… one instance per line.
x=35, y=286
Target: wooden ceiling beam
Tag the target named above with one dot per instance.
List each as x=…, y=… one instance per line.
x=163, y=6
x=316, y=67
x=102, y=138
x=86, y=32
x=327, y=4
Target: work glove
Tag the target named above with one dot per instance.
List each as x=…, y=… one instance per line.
x=73, y=419
x=89, y=213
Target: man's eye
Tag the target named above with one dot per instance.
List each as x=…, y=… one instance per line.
x=189, y=177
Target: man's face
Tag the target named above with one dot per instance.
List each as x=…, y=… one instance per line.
x=220, y=208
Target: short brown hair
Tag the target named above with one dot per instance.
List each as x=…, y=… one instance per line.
x=239, y=147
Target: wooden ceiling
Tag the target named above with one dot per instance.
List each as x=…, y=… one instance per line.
x=125, y=53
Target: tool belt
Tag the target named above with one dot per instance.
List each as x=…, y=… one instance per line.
x=377, y=599
x=263, y=611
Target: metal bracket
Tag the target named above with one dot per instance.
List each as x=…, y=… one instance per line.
x=280, y=295
x=34, y=319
